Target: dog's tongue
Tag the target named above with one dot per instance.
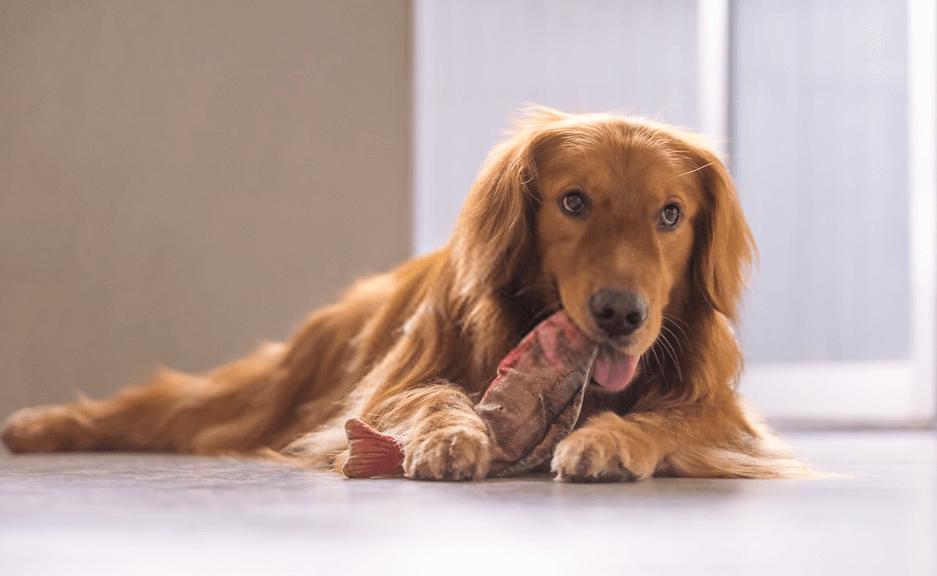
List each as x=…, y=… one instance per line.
x=614, y=371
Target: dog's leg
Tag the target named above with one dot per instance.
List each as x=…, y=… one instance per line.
x=607, y=448
x=696, y=441
x=173, y=412
x=442, y=436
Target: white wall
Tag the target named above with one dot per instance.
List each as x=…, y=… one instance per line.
x=821, y=140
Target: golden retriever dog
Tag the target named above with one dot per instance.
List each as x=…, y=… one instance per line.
x=632, y=227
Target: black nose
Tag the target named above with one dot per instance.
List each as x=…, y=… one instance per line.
x=617, y=313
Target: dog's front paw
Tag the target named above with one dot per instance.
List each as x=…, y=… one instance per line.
x=453, y=453
x=597, y=455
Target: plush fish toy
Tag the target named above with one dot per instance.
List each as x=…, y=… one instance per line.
x=534, y=402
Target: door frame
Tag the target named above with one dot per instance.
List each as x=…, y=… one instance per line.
x=891, y=392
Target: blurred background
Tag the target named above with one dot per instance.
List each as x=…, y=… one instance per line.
x=182, y=179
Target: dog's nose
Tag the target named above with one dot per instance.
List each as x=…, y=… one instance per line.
x=617, y=313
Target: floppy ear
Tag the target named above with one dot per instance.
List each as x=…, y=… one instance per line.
x=494, y=230
x=724, y=244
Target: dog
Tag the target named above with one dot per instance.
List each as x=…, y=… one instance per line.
x=633, y=227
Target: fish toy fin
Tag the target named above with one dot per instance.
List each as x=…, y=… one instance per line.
x=371, y=453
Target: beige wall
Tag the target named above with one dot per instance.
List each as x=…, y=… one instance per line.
x=181, y=179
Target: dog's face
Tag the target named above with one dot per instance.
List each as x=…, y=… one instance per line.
x=615, y=234
x=627, y=223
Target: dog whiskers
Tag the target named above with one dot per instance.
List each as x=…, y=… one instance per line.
x=677, y=323
x=673, y=356
x=668, y=350
x=671, y=333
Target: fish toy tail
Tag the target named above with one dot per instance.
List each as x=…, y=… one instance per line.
x=371, y=453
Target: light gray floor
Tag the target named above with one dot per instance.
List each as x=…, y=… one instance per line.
x=136, y=514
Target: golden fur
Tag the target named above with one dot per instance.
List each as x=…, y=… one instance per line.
x=407, y=350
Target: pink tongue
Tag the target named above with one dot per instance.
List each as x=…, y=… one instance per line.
x=614, y=371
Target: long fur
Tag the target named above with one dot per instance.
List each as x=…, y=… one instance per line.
x=407, y=350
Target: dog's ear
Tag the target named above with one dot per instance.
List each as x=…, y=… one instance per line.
x=724, y=245
x=494, y=230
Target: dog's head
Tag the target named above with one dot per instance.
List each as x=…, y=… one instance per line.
x=624, y=222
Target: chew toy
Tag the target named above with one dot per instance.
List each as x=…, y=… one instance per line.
x=534, y=402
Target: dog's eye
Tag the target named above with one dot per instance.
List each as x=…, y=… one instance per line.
x=669, y=216
x=575, y=203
